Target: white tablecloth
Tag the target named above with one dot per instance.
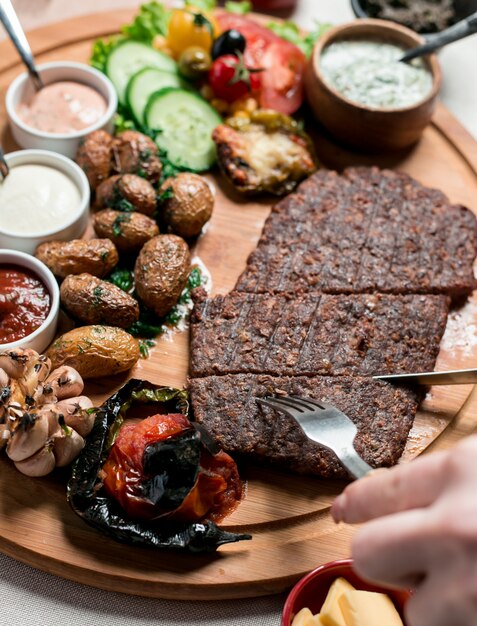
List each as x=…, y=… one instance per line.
x=32, y=598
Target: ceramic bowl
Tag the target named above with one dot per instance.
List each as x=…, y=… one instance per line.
x=365, y=128
x=21, y=90
x=42, y=337
x=312, y=589
x=78, y=221
x=463, y=8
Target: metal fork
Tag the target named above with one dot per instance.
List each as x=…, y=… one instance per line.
x=324, y=424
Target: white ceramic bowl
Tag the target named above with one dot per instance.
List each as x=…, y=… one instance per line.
x=75, y=226
x=21, y=90
x=44, y=335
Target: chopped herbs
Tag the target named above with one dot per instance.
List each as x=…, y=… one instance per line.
x=150, y=326
x=121, y=219
x=167, y=194
x=144, y=345
x=122, y=278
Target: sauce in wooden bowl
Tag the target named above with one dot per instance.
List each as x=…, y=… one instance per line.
x=25, y=303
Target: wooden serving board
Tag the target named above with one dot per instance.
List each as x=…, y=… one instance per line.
x=287, y=515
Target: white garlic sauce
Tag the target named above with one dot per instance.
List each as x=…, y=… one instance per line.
x=369, y=73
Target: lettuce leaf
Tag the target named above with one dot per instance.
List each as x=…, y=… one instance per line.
x=152, y=19
x=202, y=5
x=241, y=8
x=303, y=40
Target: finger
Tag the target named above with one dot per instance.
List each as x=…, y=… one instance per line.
x=396, y=550
x=436, y=603
x=414, y=485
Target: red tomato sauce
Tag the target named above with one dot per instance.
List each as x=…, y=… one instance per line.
x=24, y=303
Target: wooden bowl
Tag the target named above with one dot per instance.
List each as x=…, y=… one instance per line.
x=359, y=126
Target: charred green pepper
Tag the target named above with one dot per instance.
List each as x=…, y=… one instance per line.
x=176, y=457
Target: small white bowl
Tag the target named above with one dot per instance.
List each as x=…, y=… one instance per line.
x=75, y=226
x=22, y=90
x=40, y=338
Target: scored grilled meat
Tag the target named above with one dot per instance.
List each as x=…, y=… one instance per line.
x=226, y=406
x=313, y=334
x=365, y=231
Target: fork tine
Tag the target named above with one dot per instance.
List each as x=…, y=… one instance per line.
x=312, y=404
x=297, y=405
x=277, y=406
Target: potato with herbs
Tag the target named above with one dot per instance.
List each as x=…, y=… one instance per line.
x=161, y=272
x=94, y=156
x=95, y=256
x=94, y=301
x=127, y=193
x=135, y=153
x=189, y=206
x=95, y=351
x=128, y=231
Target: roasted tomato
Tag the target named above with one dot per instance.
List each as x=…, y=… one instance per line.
x=190, y=28
x=231, y=79
x=159, y=468
x=283, y=64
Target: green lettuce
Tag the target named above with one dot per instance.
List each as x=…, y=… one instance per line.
x=302, y=39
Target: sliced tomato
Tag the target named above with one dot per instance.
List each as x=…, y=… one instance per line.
x=283, y=63
x=283, y=78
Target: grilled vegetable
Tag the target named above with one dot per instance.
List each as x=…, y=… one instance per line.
x=127, y=193
x=189, y=206
x=266, y=152
x=97, y=508
x=96, y=256
x=95, y=155
x=94, y=301
x=95, y=351
x=128, y=231
x=161, y=272
x=135, y=153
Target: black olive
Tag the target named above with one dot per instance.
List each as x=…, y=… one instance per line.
x=229, y=42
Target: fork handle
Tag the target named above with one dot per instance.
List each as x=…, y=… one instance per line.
x=355, y=465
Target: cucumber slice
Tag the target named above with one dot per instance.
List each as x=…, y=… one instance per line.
x=131, y=56
x=184, y=123
x=143, y=84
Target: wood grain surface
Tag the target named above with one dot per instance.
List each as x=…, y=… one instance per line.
x=287, y=515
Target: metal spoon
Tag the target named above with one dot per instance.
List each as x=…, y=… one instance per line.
x=462, y=29
x=12, y=25
x=4, y=169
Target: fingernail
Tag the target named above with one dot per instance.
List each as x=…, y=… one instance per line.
x=338, y=508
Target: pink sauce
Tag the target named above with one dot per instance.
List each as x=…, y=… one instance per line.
x=63, y=107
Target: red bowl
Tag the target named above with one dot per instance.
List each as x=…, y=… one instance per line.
x=311, y=590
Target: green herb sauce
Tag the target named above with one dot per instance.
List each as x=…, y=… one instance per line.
x=369, y=73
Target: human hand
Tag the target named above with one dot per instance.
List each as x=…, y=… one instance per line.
x=423, y=533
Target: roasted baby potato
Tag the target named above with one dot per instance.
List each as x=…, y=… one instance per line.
x=135, y=153
x=126, y=193
x=190, y=205
x=94, y=156
x=94, y=301
x=267, y=152
x=95, y=351
x=96, y=256
x=161, y=272
x=128, y=231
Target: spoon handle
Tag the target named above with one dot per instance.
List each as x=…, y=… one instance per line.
x=462, y=29
x=4, y=171
x=12, y=25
